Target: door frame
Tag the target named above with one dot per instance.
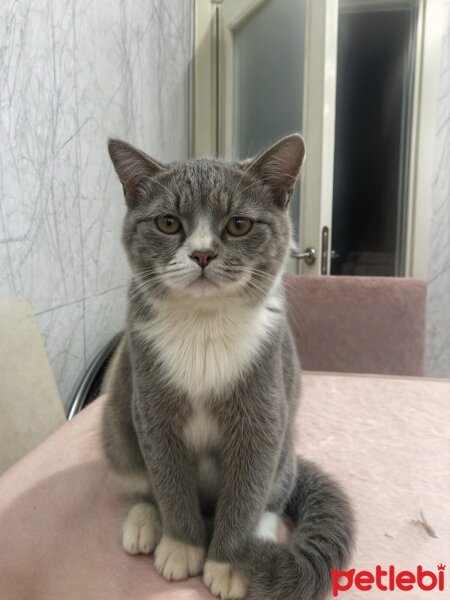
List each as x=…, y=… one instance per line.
x=319, y=103
x=431, y=20
x=212, y=117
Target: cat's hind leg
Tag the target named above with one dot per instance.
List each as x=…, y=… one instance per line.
x=142, y=530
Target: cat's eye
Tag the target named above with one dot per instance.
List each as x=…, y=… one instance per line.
x=239, y=226
x=168, y=224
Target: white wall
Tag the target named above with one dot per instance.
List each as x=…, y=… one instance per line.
x=438, y=308
x=73, y=73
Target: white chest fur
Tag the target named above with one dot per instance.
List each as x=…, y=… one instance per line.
x=205, y=350
x=201, y=435
x=201, y=432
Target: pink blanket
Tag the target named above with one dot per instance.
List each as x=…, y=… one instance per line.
x=385, y=438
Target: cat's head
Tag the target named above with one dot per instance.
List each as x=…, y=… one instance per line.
x=207, y=228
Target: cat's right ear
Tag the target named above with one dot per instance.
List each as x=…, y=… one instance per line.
x=278, y=166
x=132, y=166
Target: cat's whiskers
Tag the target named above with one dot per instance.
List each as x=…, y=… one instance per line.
x=255, y=287
x=145, y=282
x=261, y=275
x=146, y=287
x=299, y=318
x=159, y=271
x=152, y=280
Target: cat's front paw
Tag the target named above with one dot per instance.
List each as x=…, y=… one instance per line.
x=142, y=529
x=177, y=560
x=224, y=581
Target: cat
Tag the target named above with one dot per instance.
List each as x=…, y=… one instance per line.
x=203, y=388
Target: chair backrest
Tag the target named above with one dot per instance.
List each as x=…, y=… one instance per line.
x=358, y=324
x=30, y=407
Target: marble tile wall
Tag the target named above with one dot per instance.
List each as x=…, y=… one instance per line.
x=438, y=306
x=72, y=73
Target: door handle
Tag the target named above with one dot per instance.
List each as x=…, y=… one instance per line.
x=309, y=256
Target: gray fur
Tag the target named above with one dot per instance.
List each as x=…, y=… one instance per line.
x=146, y=411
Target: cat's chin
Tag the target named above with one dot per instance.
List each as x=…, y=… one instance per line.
x=202, y=288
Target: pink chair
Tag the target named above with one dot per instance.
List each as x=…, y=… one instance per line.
x=358, y=324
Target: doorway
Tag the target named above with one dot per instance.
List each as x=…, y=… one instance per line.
x=359, y=79
x=374, y=101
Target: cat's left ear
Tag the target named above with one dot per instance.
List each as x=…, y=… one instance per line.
x=279, y=166
x=132, y=166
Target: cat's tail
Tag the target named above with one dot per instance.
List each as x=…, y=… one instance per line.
x=321, y=540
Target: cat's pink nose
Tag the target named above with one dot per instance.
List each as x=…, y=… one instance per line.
x=203, y=258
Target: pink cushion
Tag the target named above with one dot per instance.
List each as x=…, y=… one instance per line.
x=359, y=324
x=384, y=438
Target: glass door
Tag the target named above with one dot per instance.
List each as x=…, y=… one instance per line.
x=271, y=39
x=272, y=72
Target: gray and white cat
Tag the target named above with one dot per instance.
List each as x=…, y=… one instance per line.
x=204, y=386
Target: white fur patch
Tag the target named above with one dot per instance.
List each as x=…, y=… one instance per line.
x=208, y=477
x=141, y=529
x=201, y=434
x=267, y=528
x=201, y=431
x=201, y=238
x=205, y=348
x=176, y=560
x=223, y=581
